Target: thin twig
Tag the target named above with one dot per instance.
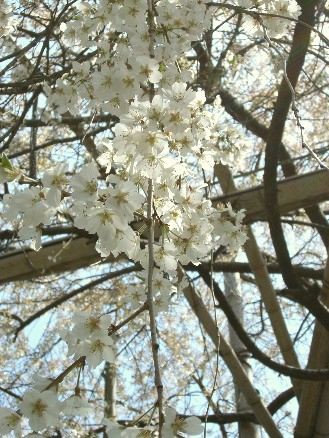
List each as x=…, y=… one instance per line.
x=293, y=98
x=114, y=328
x=80, y=362
x=33, y=141
x=11, y=393
x=153, y=328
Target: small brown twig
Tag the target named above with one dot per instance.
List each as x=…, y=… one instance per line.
x=114, y=328
x=80, y=362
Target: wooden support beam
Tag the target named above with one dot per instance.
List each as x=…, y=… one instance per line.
x=57, y=256
x=294, y=193
x=313, y=419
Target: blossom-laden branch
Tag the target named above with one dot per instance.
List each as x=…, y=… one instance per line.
x=150, y=303
x=150, y=247
x=129, y=65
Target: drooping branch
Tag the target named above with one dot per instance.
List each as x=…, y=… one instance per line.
x=230, y=358
x=228, y=418
x=296, y=373
x=73, y=294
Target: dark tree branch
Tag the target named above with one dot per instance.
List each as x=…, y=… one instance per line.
x=273, y=268
x=273, y=407
x=286, y=370
x=294, y=66
x=246, y=119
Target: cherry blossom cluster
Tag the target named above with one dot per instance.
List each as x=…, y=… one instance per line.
x=168, y=140
x=162, y=140
x=41, y=407
x=107, y=212
x=89, y=338
x=124, y=68
x=134, y=296
x=27, y=209
x=275, y=26
x=166, y=134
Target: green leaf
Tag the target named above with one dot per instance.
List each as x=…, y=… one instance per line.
x=5, y=162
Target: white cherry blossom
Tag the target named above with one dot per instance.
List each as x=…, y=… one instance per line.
x=55, y=179
x=41, y=408
x=89, y=338
x=76, y=405
x=96, y=349
x=117, y=431
x=173, y=425
x=84, y=183
x=9, y=421
x=86, y=325
x=147, y=68
x=124, y=197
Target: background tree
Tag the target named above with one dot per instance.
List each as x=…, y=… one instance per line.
x=66, y=84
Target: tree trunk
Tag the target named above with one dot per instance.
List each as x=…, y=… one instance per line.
x=234, y=297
